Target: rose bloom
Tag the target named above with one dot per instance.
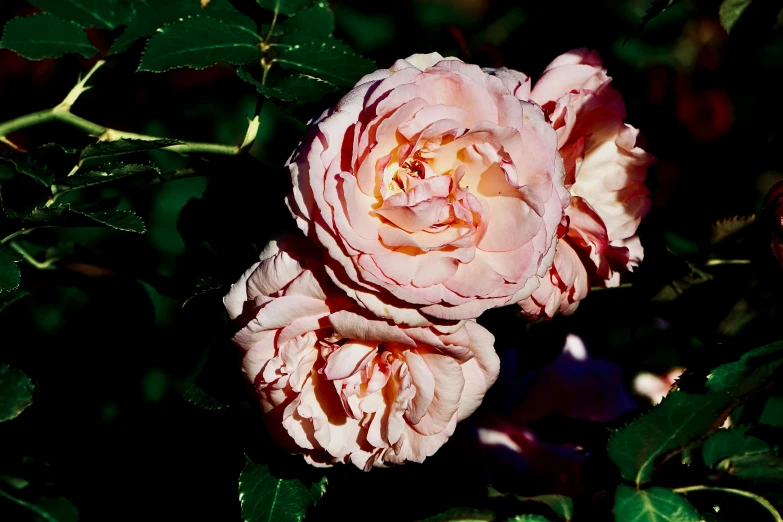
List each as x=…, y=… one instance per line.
x=340, y=385
x=605, y=170
x=435, y=191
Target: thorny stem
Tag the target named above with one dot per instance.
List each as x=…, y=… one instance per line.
x=62, y=113
x=764, y=502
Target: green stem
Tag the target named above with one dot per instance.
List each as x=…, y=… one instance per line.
x=764, y=502
x=599, y=288
x=46, y=265
x=62, y=113
x=9, y=237
x=32, y=507
x=106, y=133
x=274, y=22
x=22, y=122
x=719, y=262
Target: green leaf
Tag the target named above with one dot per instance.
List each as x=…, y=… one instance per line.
x=676, y=288
x=199, y=42
x=10, y=297
x=264, y=497
x=124, y=220
x=59, y=508
x=754, y=467
x=463, y=515
x=730, y=11
x=657, y=7
x=10, y=277
x=772, y=414
x=684, y=417
x=729, y=227
x=298, y=88
x=104, y=149
x=754, y=370
x=286, y=7
x=561, y=505
x=197, y=396
x=25, y=164
x=39, y=162
x=151, y=15
x=65, y=216
x=734, y=441
x=325, y=58
x=98, y=177
x=679, y=419
x=16, y=392
x=44, y=36
x=652, y=505
x=317, y=20
x=103, y=14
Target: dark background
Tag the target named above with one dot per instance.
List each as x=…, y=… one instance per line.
x=111, y=349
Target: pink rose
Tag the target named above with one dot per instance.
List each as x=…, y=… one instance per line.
x=339, y=385
x=435, y=191
x=605, y=170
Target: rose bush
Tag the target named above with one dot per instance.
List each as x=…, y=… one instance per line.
x=435, y=191
x=338, y=384
x=605, y=170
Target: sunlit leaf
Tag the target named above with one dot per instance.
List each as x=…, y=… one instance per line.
x=730, y=11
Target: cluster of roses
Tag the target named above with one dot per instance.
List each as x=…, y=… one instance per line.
x=433, y=191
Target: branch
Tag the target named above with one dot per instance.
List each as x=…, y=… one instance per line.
x=62, y=113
